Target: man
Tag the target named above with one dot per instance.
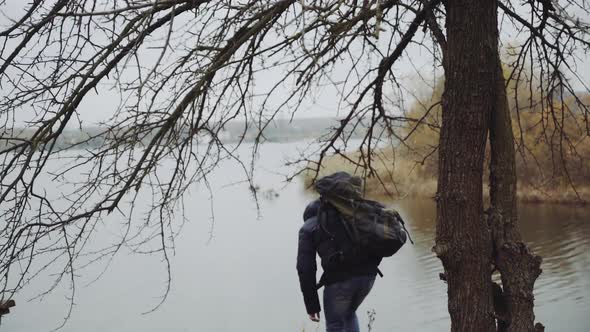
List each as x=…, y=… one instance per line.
x=349, y=273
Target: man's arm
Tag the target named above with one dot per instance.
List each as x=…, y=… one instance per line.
x=306, y=268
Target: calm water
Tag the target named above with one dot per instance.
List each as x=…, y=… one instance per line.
x=244, y=279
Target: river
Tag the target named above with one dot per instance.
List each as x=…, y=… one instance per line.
x=236, y=272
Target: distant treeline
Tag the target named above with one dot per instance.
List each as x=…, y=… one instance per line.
x=280, y=130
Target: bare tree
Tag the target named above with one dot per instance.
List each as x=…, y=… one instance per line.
x=183, y=69
x=467, y=248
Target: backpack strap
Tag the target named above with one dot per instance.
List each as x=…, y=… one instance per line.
x=401, y=221
x=322, y=281
x=350, y=230
x=323, y=216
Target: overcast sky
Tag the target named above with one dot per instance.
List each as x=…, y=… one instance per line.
x=411, y=69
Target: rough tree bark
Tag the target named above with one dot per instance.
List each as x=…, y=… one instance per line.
x=463, y=240
x=519, y=268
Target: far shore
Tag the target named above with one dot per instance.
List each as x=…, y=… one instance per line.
x=399, y=185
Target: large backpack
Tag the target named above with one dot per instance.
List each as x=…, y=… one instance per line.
x=368, y=225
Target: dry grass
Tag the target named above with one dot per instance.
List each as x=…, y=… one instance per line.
x=552, y=142
x=400, y=175
x=393, y=175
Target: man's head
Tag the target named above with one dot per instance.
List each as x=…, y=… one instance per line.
x=341, y=184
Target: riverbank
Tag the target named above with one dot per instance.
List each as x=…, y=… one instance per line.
x=402, y=177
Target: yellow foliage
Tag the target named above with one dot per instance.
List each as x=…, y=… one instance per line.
x=552, y=143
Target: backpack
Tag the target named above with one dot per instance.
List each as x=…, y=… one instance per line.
x=334, y=243
x=370, y=228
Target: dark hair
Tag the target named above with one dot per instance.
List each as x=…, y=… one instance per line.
x=342, y=183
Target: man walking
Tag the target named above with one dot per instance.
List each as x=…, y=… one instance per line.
x=349, y=270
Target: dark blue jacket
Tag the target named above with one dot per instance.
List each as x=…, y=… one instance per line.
x=310, y=238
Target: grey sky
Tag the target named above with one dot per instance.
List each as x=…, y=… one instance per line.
x=416, y=65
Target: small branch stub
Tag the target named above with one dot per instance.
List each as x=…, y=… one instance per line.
x=440, y=250
x=5, y=306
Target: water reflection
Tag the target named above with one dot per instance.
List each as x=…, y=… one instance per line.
x=560, y=234
x=244, y=279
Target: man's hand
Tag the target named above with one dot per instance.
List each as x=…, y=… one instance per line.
x=315, y=317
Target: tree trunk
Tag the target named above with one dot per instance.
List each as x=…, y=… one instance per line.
x=463, y=240
x=519, y=268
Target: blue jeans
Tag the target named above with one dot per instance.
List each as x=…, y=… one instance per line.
x=341, y=300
